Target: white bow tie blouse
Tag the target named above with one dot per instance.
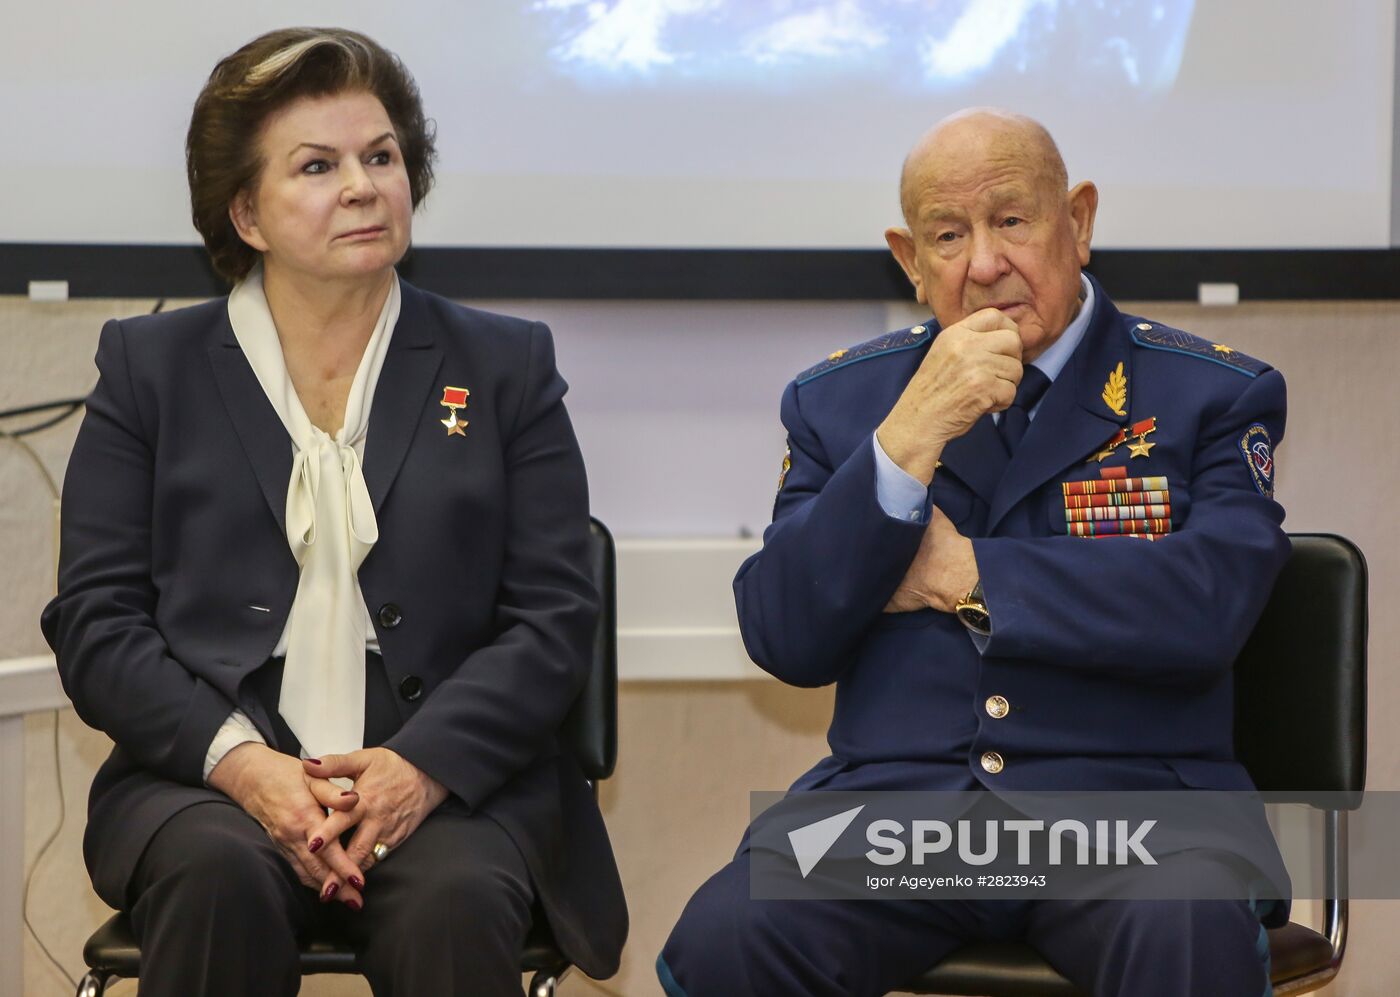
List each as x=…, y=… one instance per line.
x=331, y=527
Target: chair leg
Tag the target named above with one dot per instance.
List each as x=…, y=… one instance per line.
x=546, y=984
x=94, y=984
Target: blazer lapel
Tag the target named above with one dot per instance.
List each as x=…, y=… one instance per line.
x=255, y=421
x=1074, y=419
x=404, y=391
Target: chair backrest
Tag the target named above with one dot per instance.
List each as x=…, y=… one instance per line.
x=1300, y=682
x=591, y=726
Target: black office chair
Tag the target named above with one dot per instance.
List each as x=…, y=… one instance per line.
x=591, y=728
x=1300, y=730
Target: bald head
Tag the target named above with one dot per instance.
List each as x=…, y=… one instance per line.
x=991, y=225
x=981, y=135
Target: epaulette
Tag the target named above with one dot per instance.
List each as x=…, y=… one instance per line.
x=1164, y=337
x=890, y=342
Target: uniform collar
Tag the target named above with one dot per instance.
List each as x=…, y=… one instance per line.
x=1053, y=360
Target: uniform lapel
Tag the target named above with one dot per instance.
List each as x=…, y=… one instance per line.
x=255, y=421
x=1074, y=419
x=404, y=391
x=977, y=458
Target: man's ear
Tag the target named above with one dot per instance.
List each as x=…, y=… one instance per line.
x=901, y=243
x=1083, y=206
x=245, y=220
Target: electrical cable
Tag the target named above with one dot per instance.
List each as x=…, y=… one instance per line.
x=43, y=849
x=47, y=423
x=41, y=407
x=57, y=760
x=69, y=407
x=33, y=456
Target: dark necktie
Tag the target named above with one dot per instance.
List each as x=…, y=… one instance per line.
x=1014, y=421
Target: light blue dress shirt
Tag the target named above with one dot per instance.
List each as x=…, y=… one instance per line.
x=902, y=495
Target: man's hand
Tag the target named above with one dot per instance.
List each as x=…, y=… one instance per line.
x=393, y=798
x=943, y=571
x=289, y=804
x=971, y=369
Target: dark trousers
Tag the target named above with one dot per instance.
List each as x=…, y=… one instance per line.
x=218, y=911
x=728, y=945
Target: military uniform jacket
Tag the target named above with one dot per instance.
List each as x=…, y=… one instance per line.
x=1111, y=656
x=176, y=580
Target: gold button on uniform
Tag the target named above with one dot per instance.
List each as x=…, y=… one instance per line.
x=992, y=762
x=997, y=707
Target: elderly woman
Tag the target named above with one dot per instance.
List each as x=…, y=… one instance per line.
x=323, y=576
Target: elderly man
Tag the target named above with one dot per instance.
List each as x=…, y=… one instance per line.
x=1027, y=542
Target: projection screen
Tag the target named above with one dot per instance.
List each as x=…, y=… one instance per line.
x=745, y=123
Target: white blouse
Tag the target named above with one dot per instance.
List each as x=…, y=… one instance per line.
x=331, y=527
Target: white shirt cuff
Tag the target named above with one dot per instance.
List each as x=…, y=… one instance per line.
x=901, y=495
x=235, y=731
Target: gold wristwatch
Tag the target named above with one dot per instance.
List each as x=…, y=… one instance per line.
x=972, y=610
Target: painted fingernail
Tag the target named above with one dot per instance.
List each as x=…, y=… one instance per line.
x=315, y=845
x=357, y=882
x=353, y=905
x=348, y=792
x=314, y=761
x=330, y=891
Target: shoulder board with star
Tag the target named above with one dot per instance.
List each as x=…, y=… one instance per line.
x=1155, y=336
x=890, y=342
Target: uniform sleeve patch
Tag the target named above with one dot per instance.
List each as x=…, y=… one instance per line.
x=1258, y=454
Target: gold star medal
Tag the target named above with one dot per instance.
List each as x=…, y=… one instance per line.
x=1109, y=447
x=453, y=399
x=1140, y=429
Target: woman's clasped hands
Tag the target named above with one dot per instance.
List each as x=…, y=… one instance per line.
x=305, y=814
x=392, y=796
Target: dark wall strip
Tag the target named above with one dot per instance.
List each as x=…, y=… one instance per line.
x=736, y=274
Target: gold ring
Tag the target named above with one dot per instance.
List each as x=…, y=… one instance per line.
x=379, y=851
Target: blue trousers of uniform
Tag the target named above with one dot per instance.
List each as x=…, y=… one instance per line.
x=728, y=945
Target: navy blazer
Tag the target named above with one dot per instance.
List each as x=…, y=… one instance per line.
x=1113, y=654
x=173, y=532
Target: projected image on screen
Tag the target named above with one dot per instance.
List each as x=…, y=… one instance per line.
x=748, y=123
x=911, y=44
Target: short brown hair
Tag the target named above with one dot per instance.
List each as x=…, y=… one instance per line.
x=273, y=70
